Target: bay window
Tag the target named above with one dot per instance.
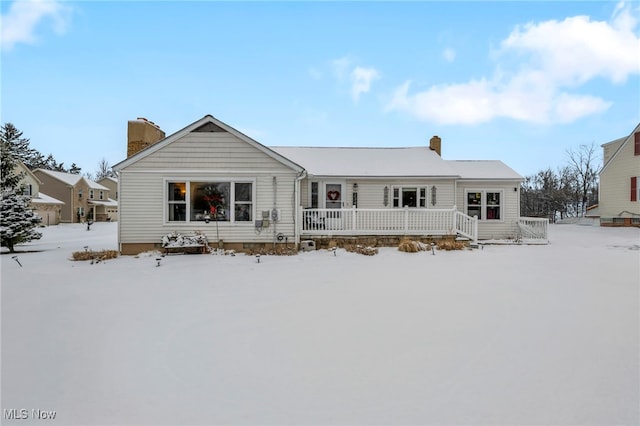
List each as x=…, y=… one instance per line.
x=220, y=201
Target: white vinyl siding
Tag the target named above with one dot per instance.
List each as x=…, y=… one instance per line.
x=509, y=191
x=203, y=157
x=371, y=192
x=615, y=183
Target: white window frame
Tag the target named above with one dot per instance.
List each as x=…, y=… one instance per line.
x=91, y=194
x=216, y=179
x=483, y=203
x=421, y=201
x=101, y=195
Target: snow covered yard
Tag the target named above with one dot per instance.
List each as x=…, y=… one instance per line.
x=503, y=335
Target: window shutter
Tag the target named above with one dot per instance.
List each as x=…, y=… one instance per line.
x=634, y=188
x=636, y=144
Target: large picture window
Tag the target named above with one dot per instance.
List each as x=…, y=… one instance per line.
x=409, y=197
x=486, y=205
x=222, y=201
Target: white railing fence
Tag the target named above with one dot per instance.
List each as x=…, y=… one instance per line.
x=356, y=221
x=533, y=230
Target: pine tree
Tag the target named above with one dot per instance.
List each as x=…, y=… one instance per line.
x=15, y=145
x=17, y=221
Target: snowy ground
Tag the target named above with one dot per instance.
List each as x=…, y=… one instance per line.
x=510, y=335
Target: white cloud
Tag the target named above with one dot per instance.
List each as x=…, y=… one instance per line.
x=449, y=54
x=341, y=67
x=554, y=57
x=361, y=79
x=20, y=22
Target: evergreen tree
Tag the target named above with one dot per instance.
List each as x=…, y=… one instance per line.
x=9, y=179
x=17, y=221
x=15, y=145
x=74, y=169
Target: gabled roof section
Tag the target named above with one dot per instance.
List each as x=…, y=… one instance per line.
x=628, y=139
x=369, y=162
x=72, y=179
x=484, y=169
x=208, y=123
x=23, y=167
x=43, y=198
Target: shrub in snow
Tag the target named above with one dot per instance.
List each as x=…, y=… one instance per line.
x=175, y=239
x=411, y=246
x=17, y=221
x=366, y=250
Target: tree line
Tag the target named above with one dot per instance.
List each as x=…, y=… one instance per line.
x=565, y=192
x=18, y=147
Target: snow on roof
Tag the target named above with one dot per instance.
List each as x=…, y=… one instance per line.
x=43, y=198
x=367, y=162
x=72, y=179
x=109, y=203
x=483, y=169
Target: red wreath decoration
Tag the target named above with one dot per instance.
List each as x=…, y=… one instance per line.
x=333, y=195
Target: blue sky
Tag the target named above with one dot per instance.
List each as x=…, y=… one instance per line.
x=520, y=82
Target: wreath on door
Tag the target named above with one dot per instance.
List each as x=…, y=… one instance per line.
x=333, y=195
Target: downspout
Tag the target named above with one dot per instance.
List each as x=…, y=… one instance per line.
x=119, y=192
x=274, y=211
x=296, y=207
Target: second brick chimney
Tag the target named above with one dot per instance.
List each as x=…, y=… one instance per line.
x=435, y=144
x=142, y=133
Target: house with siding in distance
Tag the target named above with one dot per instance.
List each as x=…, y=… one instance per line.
x=212, y=179
x=619, y=192
x=83, y=198
x=47, y=208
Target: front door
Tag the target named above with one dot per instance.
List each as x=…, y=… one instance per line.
x=333, y=196
x=334, y=199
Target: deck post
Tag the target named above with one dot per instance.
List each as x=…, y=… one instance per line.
x=353, y=218
x=454, y=222
x=406, y=219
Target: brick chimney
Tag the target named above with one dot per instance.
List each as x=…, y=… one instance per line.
x=435, y=144
x=142, y=133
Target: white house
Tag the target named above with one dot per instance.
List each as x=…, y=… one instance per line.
x=212, y=179
x=619, y=192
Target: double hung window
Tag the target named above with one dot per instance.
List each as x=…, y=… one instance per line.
x=409, y=197
x=484, y=204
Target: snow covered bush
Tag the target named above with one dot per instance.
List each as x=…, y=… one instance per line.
x=17, y=221
x=175, y=239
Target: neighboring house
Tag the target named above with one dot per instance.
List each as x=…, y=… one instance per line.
x=112, y=184
x=112, y=208
x=84, y=199
x=47, y=208
x=619, y=192
x=210, y=178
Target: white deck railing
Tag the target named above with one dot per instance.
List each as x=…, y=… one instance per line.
x=404, y=221
x=533, y=230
